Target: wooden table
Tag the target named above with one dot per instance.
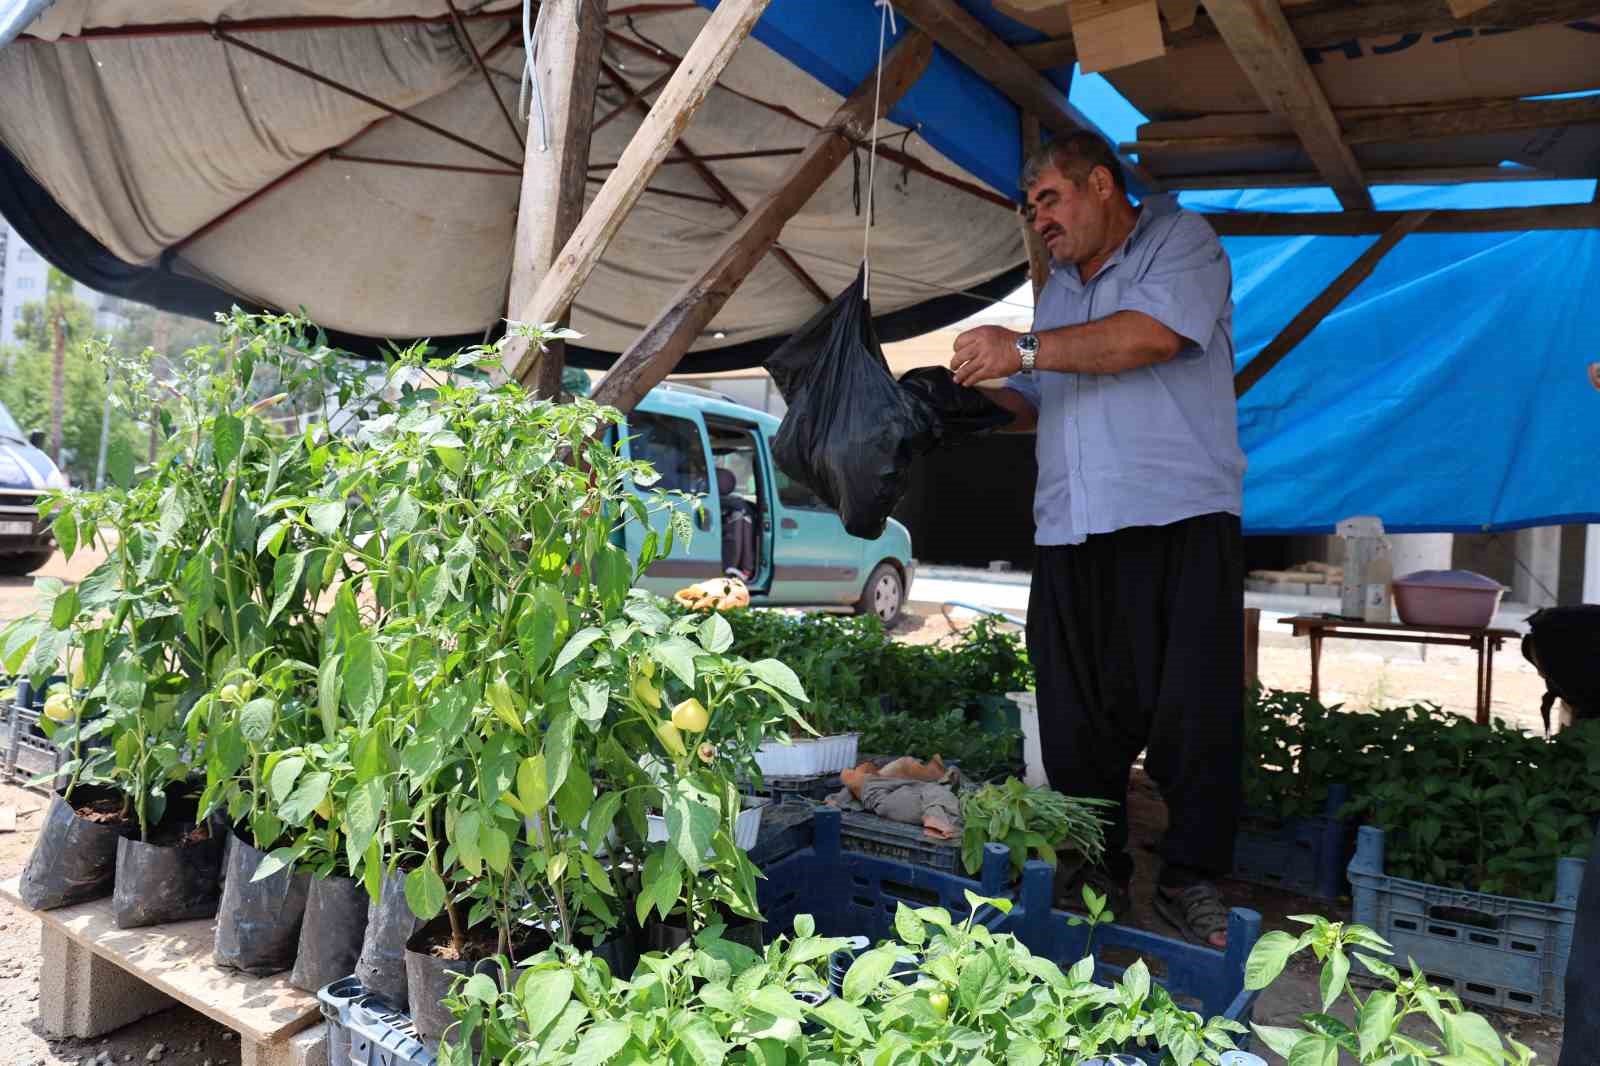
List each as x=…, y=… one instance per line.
x=1483, y=640
x=152, y=967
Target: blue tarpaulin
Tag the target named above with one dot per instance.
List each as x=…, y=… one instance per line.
x=1449, y=392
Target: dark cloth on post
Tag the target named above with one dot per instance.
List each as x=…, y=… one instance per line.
x=1581, y=1037
x=1137, y=637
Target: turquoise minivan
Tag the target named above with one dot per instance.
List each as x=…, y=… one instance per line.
x=748, y=518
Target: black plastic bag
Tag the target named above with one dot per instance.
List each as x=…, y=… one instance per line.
x=390, y=923
x=851, y=432
x=332, y=933
x=258, y=922
x=74, y=859
x=168, y=883
x=963, y=411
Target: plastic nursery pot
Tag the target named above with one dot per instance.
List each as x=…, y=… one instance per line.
x=332, y=933
x=258, y=922
x=620, y=950
x=75, y=856
x=174, y=876
x=390, y=923
x=666, y=936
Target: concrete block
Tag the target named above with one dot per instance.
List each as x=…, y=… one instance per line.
x=84, y=995
x=309, y=1048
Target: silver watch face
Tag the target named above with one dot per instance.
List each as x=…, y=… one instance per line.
x=1028, y=344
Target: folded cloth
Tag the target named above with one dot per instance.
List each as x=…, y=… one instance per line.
x=932, y=805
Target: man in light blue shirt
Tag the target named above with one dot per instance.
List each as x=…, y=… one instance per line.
x=1135, y=620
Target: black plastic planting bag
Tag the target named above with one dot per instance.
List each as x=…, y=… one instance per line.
x=332, y=933
x=74, y=859
x=158, y=884
x=390, y=923
x=963, y=411
x=258, y=922
x=851, y=431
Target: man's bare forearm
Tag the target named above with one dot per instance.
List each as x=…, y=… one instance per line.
x=1024, y=419
x=1123, y=341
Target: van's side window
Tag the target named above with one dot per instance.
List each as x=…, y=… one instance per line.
x=793, y=494
x=674, y=447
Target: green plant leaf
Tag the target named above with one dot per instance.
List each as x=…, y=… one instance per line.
x=330, y=684
x=65, y=530
x=325, y=517
x=1268, y=958
x=362, y=812
x=677, y=655
x=908, y=926
x=287, y=571
x=465, y=836
x=545, y=994
x=700, y=1040
x=589, y=701
x=575, y=797
x=843, y=1016
x=558, y=750
x=496, y=848
x=365, y=673
x=868, y=972
x=1024, y=1052
x=276, y=861
x=65, y=610
x=691, y=823
x=716, y=635
x=575, y=647
x=298, y=808
x=255, y=720
x=480, y=988
x=120, y=462
x=1375, y=1021
x=227, y=439
x=1314, y=1051
x=601, y=1043
x=777, y=1002
x=980, y=984
x=779, y=677
x=1335, y=971
x=424, y=893
x=280, y=782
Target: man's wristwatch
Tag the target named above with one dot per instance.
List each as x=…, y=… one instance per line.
x=1028, y=348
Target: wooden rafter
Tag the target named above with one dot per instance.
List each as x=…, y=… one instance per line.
x=953, y=29
x=1260, y=39
x=1356, y=223
x=1331, y=297
x=723, y=193
x=1307, y=179
x=1330, y=25
x=1038, y=256
x=665, y=341
x=705, y=61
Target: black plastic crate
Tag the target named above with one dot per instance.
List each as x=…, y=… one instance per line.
x=1306, y=856
x=871, y=835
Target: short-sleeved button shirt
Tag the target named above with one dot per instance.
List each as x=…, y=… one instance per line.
x=1151, y=446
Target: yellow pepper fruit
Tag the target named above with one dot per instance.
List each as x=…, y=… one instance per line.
x=646, y=693
x=672, y=739
x=691, y=716
x=58, y=707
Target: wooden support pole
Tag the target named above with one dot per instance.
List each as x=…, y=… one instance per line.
x=705, y=61
x=1309, y=179
x=554, y=174
x=970, y=41
x=1314, y=312
x=1356, y=223
x=1038, y=256
x=1258, y=35
x=657, y=351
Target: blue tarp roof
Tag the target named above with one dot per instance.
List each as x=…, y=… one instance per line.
x=1451, y=391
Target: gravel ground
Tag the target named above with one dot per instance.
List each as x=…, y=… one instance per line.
x=1352, y=674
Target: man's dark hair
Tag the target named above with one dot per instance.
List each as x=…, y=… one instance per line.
x=1074, y=155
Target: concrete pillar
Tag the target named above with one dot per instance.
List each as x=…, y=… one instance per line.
x=84, y=995
x=1536, y=574
x=1411, y=552
x=1591, y=565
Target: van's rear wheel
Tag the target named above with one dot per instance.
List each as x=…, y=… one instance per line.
x=884, y=594
x=24, y=563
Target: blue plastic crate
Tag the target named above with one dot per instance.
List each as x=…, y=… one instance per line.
x=1489, y=950
x=363, y=1030
x=785, y=829
x=1203, y=979
x=1306, y=856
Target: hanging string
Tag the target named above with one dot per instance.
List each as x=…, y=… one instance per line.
x=532, y=30
x=886, y=23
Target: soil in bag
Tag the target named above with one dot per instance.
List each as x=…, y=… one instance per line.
x=390, y=923
x=258, y=922
x=433, y=962
x=75, y=857
x=332, y=933
x=174, y=876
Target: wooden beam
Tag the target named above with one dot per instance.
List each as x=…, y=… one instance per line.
x=1038, y=256
x=1399, y=125
x=1356, y=223
x=1314, y=312
x=554, y=177
x=705, y=61
x=1308, y=179
x=1259, y=37
x=970, y=41
x=659, y=348
x=723, y=193
x=1330, y=25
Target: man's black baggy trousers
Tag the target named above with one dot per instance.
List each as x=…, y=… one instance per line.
x=1137, y=641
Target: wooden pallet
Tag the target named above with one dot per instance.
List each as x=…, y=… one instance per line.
x=150, y=969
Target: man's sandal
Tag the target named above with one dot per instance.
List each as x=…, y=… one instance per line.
x=1197, y=912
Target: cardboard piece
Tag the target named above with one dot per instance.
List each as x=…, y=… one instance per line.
x=1368, y=570
x=1179, y=13
x=1116, y=33
x=1049, y=17
x=1462, y=8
